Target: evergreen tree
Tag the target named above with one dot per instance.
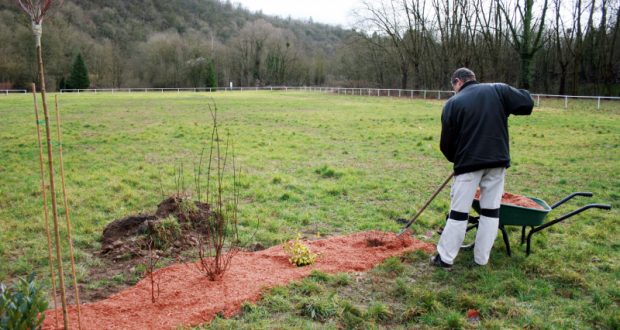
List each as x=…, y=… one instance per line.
x=78, y=79
x=62, y=84
x=211, y=76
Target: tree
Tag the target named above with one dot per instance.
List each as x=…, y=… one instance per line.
x=62, y=83
x=78, y=79
x=525, y=34
x=211, y=76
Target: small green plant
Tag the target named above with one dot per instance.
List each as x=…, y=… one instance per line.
x=411, y=313
x=22, y=305
x=341, y=279
x=319, y=276
x=379, y=312
x=300, y=254
x=187, y=206
x=455, y=321
x=318, y=309
x=308, y=287
x=351, y=316
x=165, y=232
x=327, y=172
x=392, y=266
x=402, y=289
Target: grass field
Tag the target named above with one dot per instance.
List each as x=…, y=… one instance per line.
x=325, y=164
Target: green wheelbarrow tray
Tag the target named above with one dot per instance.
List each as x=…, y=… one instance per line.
x=512, y=215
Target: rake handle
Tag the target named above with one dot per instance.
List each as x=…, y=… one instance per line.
x=426, y=204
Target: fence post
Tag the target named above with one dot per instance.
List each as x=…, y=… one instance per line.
x=598, y=106
x=538, y=100
x=439, y=95
x=425, y=94
x=565, y=102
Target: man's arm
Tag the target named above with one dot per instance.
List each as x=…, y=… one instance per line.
x=447, y=144
x=516, y=101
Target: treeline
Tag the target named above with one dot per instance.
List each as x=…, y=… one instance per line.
x=549, y=46
x=563, y=47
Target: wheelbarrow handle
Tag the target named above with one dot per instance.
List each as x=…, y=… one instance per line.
x=570, y=214
x=569, y=197
x=562, y=218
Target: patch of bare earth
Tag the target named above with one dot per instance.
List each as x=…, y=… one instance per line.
x=188, y=298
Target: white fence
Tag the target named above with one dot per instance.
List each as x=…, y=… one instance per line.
x=14, y=91
x=402, y=93
x=439, y=94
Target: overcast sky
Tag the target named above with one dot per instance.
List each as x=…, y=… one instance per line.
x=335, y=12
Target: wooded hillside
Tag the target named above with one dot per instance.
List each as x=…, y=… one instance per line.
x=163, y=43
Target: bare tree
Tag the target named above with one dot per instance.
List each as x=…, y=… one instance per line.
x=563, y=38
x=384, y=17
x=525, y=33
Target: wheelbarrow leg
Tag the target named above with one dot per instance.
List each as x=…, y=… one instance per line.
x=506, y=241
x=522, y=235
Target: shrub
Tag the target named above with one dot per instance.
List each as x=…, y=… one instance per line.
x=221, y=241
x=22, y=305
x=300, y=255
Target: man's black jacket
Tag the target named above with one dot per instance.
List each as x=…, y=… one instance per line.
x=474, y=125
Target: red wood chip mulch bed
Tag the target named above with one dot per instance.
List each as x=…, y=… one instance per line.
x=188, y=298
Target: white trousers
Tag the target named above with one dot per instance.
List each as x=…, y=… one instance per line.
x=491, y=183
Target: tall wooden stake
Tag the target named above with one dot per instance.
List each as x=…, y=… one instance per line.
x=50, y=162
x=45, y=210
x=64, y=194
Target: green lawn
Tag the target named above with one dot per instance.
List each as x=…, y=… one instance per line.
x=319, y=163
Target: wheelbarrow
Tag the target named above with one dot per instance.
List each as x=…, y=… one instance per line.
x=512, y=215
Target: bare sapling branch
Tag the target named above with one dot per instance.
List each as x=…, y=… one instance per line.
x=220, y=241
x=150, y=263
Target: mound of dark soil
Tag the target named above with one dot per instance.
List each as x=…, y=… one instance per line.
x=127, y=238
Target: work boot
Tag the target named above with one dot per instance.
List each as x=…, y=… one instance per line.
x=437, y=262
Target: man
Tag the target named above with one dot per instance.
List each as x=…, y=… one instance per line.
x=474, y=136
